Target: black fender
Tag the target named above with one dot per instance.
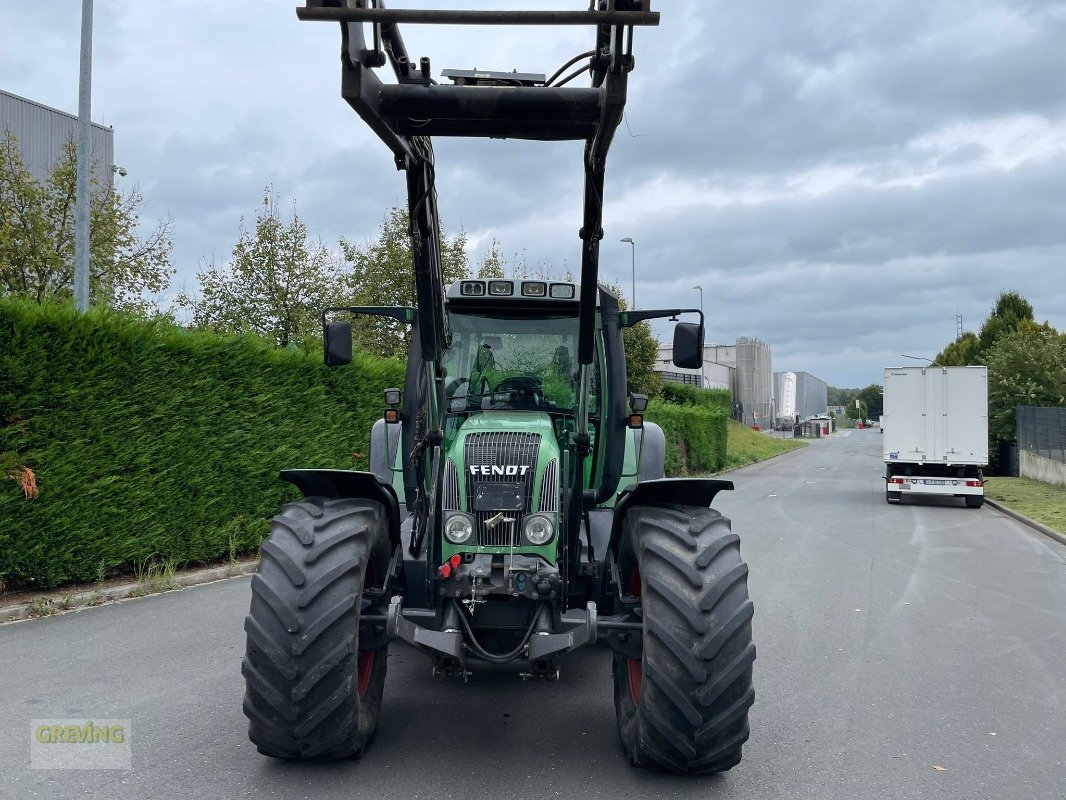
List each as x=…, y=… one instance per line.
x=384, y=443
x=340, y=483
x=683, y=491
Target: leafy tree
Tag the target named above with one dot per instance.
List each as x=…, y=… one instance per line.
x=841, y=397
x=873, y=398
x=1010, y=313
x=275, y=284
x=382, y=273
x=1026, y=367
x=960, y=353
x=492, y=265
x=37, y=236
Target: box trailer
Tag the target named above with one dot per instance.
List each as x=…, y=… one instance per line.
x=935, y=432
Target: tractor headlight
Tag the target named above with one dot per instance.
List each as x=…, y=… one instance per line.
x=538, y=529
x=458, y=528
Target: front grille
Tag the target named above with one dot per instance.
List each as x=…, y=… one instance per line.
x=549, y=489
x=500, y=450
x=450, y=500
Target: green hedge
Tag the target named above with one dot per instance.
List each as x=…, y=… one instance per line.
x=149, y=441
x=696, y=436
x=685, y=395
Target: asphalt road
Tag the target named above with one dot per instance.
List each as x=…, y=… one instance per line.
x=892, y=640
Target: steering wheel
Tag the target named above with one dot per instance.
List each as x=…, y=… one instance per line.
x=525, y=389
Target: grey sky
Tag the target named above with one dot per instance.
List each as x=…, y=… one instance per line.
x=841, y=177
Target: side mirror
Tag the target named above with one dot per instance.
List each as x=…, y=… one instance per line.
x=338, y=343
x=688, y=345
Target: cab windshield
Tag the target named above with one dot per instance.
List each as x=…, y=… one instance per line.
x=521, y=364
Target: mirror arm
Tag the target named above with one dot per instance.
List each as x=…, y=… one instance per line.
x=400, y=313
x=630, y=318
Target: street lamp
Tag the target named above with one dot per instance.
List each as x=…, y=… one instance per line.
x=633, y=245
x=701, y=301
x=932, y=361
x=81, y=203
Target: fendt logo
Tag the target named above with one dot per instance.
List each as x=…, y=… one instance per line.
x=509, y=471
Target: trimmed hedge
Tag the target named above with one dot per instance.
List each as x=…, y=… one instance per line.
x=683, y=394
x=150, y=441
x=696, y=436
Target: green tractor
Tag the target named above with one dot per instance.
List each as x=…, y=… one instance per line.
x=516, y=507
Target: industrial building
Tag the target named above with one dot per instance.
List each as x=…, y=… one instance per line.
x=798, y=396
x=42, y=132
x=744, y=368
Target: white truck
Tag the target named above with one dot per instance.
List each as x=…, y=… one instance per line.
x=935, y=432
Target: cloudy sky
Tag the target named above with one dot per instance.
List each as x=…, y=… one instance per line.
x=841, y=177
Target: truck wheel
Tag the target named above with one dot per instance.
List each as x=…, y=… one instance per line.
x=893, y=497
x=974, y=502
x=311, y=694
x=683, y=706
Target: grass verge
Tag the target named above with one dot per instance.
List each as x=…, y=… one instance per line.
x=745, y=446
x=1044, y=502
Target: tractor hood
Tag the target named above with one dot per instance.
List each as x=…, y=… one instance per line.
x=501, y=468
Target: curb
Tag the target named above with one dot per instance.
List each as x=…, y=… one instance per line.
x=1040, y=527
x=60, y=602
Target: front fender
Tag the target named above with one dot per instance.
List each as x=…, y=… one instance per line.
x=682, y=491
x=341, y=483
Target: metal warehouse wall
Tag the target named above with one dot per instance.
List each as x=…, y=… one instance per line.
x=811, y=400
x=42, y=131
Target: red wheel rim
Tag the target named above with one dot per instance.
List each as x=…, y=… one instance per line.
x=365, y=670
x=634, y=667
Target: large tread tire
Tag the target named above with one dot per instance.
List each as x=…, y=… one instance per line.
x=683, y=707
x=310, y=693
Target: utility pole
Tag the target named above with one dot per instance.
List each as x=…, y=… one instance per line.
x=81, y=205
x=633, y=245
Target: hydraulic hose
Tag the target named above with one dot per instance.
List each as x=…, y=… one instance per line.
x=485, y=655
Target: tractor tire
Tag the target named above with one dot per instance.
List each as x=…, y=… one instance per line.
x=974, y=502
x=311, y=694
x=893, y=497
x=683, y=706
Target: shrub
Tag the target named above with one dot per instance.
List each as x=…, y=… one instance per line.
x=148, y=441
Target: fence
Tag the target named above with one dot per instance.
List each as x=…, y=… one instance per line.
x=1042, y=443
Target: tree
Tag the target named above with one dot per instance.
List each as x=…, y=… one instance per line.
x=275, y=284
x=382, y=273
x=873, y=398
x=37, y=236
x=841, y=397
x=492, y=265
x=1010, y=313
x=960, y=353
x=1026, y=367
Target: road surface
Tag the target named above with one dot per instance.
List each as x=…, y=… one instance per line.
x=913, y=651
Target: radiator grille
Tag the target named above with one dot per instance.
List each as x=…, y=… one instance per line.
x=450, y=500
x=501, y=450
x=549, y=489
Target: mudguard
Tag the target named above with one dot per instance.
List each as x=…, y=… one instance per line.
x=683, y=491
x=339, y=483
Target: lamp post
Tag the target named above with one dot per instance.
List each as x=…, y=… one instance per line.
x=633, y=252
x=700, y=288
x=81, y=204
x=932, y=361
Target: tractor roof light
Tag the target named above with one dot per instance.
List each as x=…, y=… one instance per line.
x=501, y=288
x=561, y=291
x=534, y=289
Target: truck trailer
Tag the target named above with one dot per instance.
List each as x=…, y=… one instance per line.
x=935, y=432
